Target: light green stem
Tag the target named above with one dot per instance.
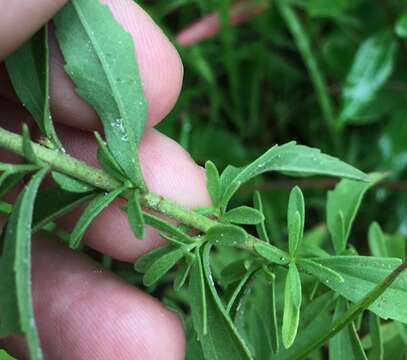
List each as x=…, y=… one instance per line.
x=79, y=170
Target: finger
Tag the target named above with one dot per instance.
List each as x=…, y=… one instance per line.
x=20, y=19
x=159, y=64
x=84, y=312
x=168, y=170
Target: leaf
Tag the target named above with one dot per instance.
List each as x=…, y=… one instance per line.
x=107, y=77
x=27, y=146
x=213, y=183
x=28, y=68
x=163, y=264
x=95, y=207
x=271, y=253
x=182, y=275
x=244, y=215
x=372, y=66
x=322, y=273
x=197, y=292
x=16, y=309
x=70, y=184
x=8, y=181
x=288, y=158
x=51, y=203
x=292, y=305
x=226, y=235
x=295, y=219
x=401, y=26
x=107, y=161
x=377, y=351
x=261, y=227
x=145, y=261
x=164, y=226
x=135, y=215
x=346, y=344
x=222, y=341
x=361, y=275
x=376, y=241
x=343, y=203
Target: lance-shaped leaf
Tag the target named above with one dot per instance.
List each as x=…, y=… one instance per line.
x=261, y=227
x=271, y=253
x=244, y=215
x=135, y=215
x=213, y=183
x=291, y=159
x=103, y=66
x=95, y=207
x=70, y=184
x=226, y=235
x=346, y=344
x=342, y=206
x=222, y=340
x=16, y=310
x=28, y=69
x=182, y=275
x=377, y=243
x=322, y=273
x=361, y=274
x=377, y=351
x=372, y=66
x=295, y=220
x=292, y=305
x=145, y=261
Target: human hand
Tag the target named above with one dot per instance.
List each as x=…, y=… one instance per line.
x=83, y=311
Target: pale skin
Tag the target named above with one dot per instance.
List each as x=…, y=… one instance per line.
x=83, y=311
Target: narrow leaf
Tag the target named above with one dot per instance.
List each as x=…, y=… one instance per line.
x=95, y=207
x=244, y=215
x=182, y=275
x=213, y=183
x=226, y=235
x=290, y=159
x=162, y=265
x=107, y=77
x=17, y=316
x=377, y=351
x=271, y=253
x=361, y=275
x=70, y=184
x=292, y=304
x=344, y=201
x=28, y=68
x=376, y=241
x=372, y=66
x=135, y=215
x=261, y=227
x=295, y=219
x=145, y=261
x=322, y=273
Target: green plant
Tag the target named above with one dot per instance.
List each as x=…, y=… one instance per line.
x=249, y=297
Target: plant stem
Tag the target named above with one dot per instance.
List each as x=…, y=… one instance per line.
x=79, y=170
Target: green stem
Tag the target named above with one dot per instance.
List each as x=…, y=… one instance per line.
x=79, y=170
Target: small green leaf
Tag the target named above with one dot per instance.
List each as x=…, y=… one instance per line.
x=162, y=265
x=27, y=146
x=372, y=66
x=377, y=351
x=226, y=235
x=8, y=181
x=107, y=77
x=261, y=227
x=292, y=304
x=107, y=161
x=145, y=261
x=322, y=273
x=376, y=241
x=166, y=227
x=361, y=275
x=95, y=207
x=342, y=206
x=17, y=316
x=213, y=183
x=401, y=26
x=135, y=215
x=291, y=159
x=244, y=215
x=70, y=184
x=182, y=275
x=28, y=68
x=271, y=253
x=295, y=219
x=345, y=345
x=197, y=293
x=51, y=203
